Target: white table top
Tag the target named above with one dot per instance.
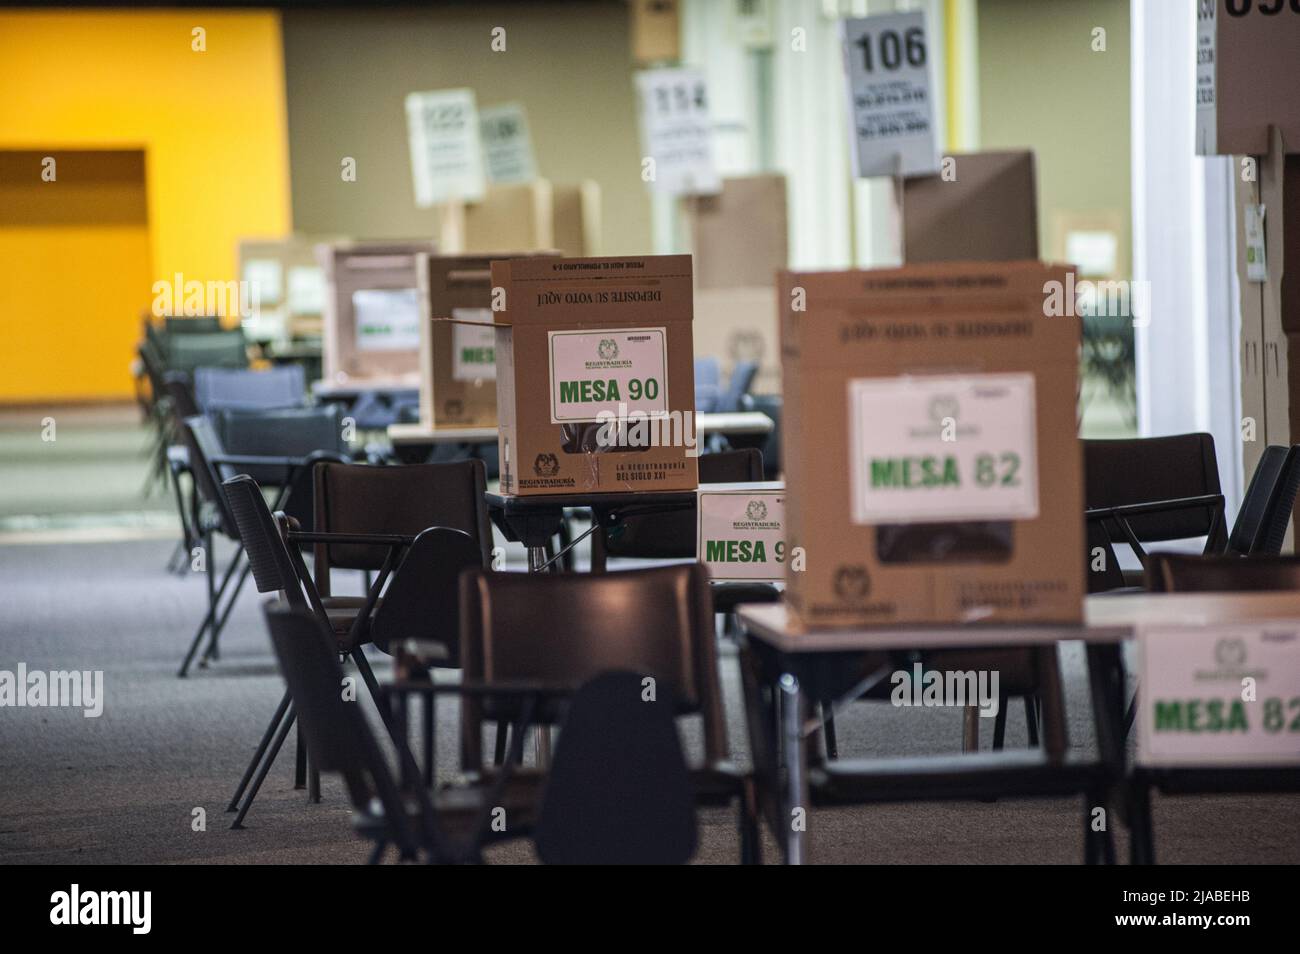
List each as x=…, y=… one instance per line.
x=744, y=422
x=419, y=434
x=1107, y=619
x=326, y=388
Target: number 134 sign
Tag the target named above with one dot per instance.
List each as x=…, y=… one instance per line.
x=891, y=106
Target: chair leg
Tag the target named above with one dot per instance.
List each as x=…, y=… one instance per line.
x=212, y=607
x=970, y=735
x=1031, y=719
x=313, y=781
x=377, y=855
x=1000, y=724
x=499, y=753
x=1130, y=714
x=212, y=652
x=828, y=732
x=1141, y=830
x=276, y=719
x=299, y=761
x=265, y=767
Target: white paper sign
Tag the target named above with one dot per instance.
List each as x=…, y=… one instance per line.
x=1214, y=695
x=891, y=106
x=1256, y=253
x=446, y=151
x=387, y=319
x=676, y=134
x=1207, y=117
x=474, y=356
x=741, y=535
x=306, y=290
x=941, y=448
x=595, y=371
x=507, y=144
x=263, y=278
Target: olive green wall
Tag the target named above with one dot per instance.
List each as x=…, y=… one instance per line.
x=1042, y=86
x=347, y=73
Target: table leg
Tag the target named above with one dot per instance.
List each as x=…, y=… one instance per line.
x=796, y=815
x=542, y=733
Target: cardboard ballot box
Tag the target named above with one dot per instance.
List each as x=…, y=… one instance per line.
x=372, y=309
x=740, y=236
x=595, y=376
x=932, y=465
x=458, y=371
x=987, y=212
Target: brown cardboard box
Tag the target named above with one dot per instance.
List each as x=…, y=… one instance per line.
x=656, y=31
x=576, y=217
x=988, y=213
x=740, y=324
x=566, y=328
x=372, y=310
x=931, y=456
x=518, y=215
x=1252, y=63
x=457, y=359
x=741, y=235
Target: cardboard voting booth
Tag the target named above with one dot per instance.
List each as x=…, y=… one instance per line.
x=576, y=217
x=741, y=240
x=987, y=211
x=287, y=284
x=932, y=463
x=458, y=371
x=372, y=310
x=740, y=324
x=595, y=374
x=1246, y=54
x=741, y=236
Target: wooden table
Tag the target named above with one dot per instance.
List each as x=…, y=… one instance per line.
x=790, y=662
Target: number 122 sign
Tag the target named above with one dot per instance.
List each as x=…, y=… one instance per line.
x=891, y=106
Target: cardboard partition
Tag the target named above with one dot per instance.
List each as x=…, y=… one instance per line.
x=372, y=310
x=932, y=463
x=740, y=236
x=1246, y=62
x=458, y=340
x=595, y=375
x=655, y=31
x=740, y=324
x=518, y=216
x=987, y=213
x=290, y=286
x=575, y=214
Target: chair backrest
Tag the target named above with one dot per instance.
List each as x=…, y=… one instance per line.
x=738, y=385
x=401, y=499
x=563, y=629
x=205, y=447
x=337, y=736
x=423, y=599
x=222, y=349
x=770, y=404
x=280, y=432
x=1261, y=523
x=239, y=388
x=176, y=387
x=196, y=325
x=268, y=554
x=1149, y=469
x=671, y=536
x=618, y=790
x=708, y=384
x=1185, y=573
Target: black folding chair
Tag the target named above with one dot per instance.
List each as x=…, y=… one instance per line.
x=209, y=465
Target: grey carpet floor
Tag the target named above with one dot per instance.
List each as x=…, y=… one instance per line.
x=125, y=787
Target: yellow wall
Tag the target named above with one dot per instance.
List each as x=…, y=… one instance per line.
x=212, y=127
